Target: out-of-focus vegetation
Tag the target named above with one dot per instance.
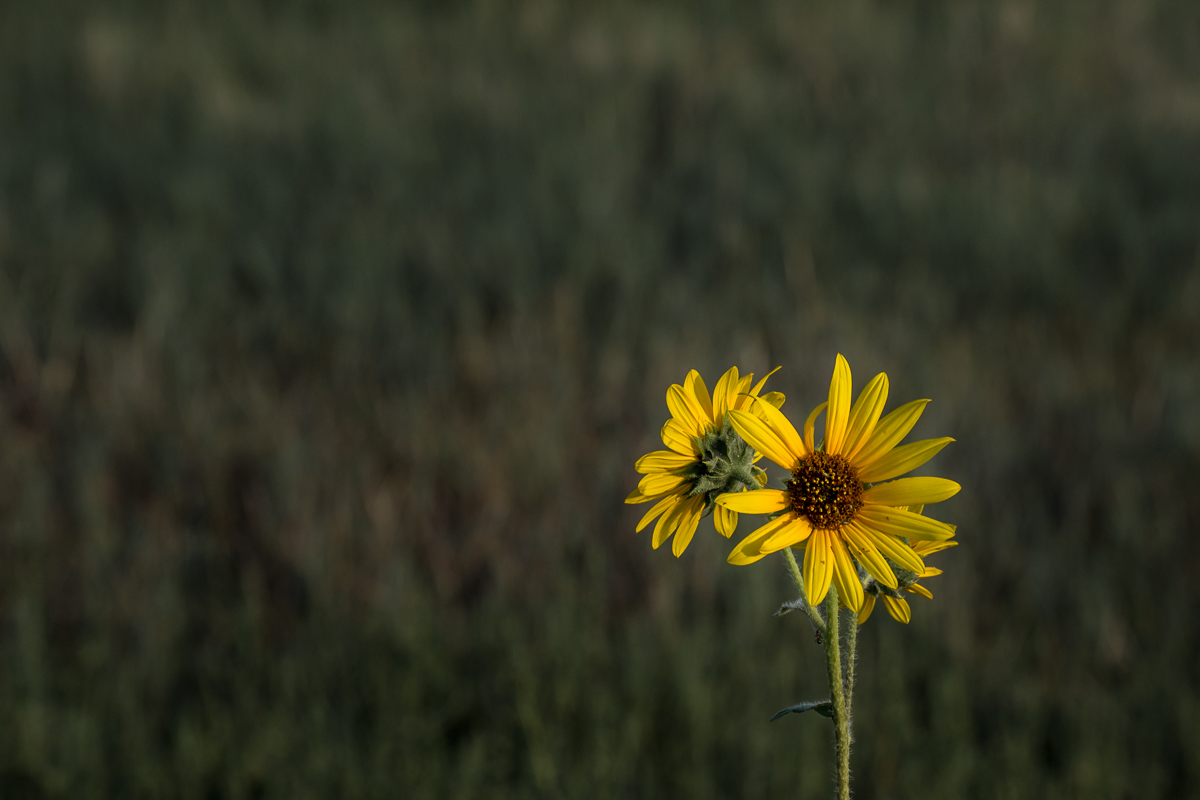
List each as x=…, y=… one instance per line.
x=329, y=333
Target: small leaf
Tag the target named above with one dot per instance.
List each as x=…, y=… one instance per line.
x=822, y=707
x=790, y=605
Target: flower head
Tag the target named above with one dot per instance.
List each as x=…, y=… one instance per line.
x=706, y=457
x=835, y=501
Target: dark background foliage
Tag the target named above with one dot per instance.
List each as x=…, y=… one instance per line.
x=329, y=334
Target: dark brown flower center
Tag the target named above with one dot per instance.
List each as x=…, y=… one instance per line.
x=826, y=490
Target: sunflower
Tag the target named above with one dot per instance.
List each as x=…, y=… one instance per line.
x=835, y=502
x=896, y=605
x=705, y=456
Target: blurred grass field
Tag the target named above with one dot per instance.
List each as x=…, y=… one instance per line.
x=329, y=334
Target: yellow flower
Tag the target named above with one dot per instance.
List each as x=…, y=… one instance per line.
x=834, y=501
x=706, y=457
x=897, y=606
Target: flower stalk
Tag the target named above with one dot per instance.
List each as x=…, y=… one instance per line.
x=814, y=616
x=841, y=712
x=851, y=659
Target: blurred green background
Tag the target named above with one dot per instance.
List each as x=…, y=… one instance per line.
x=330, y=332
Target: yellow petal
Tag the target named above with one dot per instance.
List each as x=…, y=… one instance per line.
x=837, y=416
x=783, y=428
x=679, y=439
x=931, y=572
x=924, y=548
x=898, y=522
x=659, y=482
x=888, y=433
x=700, y=392
x=667, y=523
x=687, y=525
x=763, y=438
x=760, y=501
x=722, y=395
x=818, y=567
x=909, y=491
x=867, y=607
x=901, y=554
x=660, y=507
x=810, y=423
x=868, y=555
x=793, y=533
x=636, y=496
x=917, y=588
x=774, y=398
x=758, y=387
x=903, y=459
x=663, y=461
x=682, y=410
x=725, y=521
x=693, y=402
x=898, y=609
x=749, y=549
x=738, y=401
x=865, y=414
x=845, y=576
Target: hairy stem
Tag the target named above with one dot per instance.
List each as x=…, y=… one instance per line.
x=841, y=716
x=814, y=616
x=851, y=660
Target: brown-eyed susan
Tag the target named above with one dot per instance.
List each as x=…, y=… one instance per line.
x=841, y=501
x=892, y=598
x=705, y=456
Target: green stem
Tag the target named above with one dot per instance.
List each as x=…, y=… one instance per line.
x=814, y=616
x=851, y=660
x=841, y=715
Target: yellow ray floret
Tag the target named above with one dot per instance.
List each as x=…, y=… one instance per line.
x=889, y=431
x=763, y=438
x=898, y=522
x=725, y=521
x=796, y=531
x=663, y=461
x=837, y=414
x=810, y=426
x=818, y=566
x=845, y=576
x=911, y=491
x=750, y=548
x=661, y=507
x=764, y=501
x=659, y=482
x=898, y=609
x=903, y=459
x=783, y=429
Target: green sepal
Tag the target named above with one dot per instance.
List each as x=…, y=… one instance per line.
x=726, y=464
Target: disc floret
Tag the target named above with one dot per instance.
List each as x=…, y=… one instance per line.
x=825, y=489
